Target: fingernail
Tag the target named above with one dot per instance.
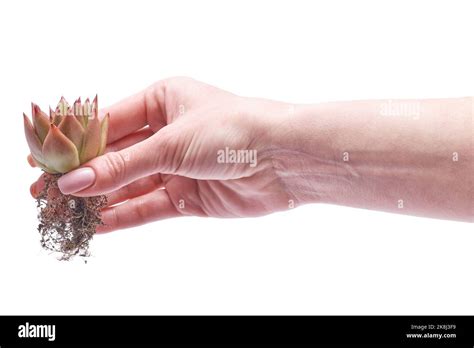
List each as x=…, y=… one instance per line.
x=76, y=180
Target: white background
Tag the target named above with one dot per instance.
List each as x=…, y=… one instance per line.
x=315, y=259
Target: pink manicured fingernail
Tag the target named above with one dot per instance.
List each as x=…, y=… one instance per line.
x=76, y=180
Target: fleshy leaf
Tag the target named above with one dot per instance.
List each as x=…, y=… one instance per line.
x=73, y=130
x=54, y=117
x=91, y=143
x=77, y=106
x=95, y=106
x=40, y=121
x=104, y=127
x=59, y=152
x=33, y=140
x=63, y=107
x=79, y=112
x=43, y=166
x=86, y=110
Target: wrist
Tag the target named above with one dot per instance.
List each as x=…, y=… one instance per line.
x=304, y=157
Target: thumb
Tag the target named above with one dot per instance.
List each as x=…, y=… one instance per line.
x=113, y=170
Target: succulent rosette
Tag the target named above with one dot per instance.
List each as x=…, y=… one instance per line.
x=68, y=137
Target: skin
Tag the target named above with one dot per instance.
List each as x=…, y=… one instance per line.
x=406, y=156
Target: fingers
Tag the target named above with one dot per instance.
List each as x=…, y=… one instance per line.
x=152, y=206
x=135, y=189
x=114, y=170
x=135, y=112
x=129, y=140
x=120, y=144
x=146, y=203
x=37, y=186
x=31, y=161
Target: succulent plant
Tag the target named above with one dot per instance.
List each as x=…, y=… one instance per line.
x=68, y=137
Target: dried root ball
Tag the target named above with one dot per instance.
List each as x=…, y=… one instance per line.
x=67, y=223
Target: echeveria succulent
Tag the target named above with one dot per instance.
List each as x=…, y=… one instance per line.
x=68, y=137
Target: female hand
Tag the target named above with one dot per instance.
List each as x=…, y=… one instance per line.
x=181, y=147
x=170, y=151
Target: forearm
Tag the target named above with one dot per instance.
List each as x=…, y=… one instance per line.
x=407, y=156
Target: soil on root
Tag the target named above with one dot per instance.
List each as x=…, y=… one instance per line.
x=67, y=223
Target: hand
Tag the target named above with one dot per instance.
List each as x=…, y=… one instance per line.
x=169, y=154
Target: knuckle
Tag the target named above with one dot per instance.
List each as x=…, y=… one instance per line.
x=115, y=165
x=141, y=210
x=111, y=148
x=124, y=192
x=156, y=181
x=113, y=218
x=176, y=80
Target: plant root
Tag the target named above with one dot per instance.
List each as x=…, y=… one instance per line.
x=67, y=223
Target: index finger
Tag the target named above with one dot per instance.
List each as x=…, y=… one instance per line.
x=135, y=112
